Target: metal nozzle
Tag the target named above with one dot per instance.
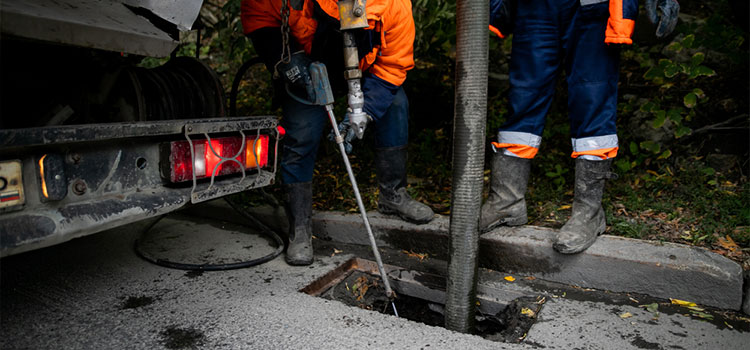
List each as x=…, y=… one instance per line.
x=358, y=122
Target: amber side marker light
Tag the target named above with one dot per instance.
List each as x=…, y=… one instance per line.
x=41, y=175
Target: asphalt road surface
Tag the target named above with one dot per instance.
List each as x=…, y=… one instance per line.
x=96, y=293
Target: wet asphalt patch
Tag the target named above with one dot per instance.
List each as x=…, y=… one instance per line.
x=174, y=337
x=135, y=302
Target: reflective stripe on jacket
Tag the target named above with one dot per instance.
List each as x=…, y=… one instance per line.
x=391, y=19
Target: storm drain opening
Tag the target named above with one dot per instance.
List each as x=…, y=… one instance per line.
x=421, y=298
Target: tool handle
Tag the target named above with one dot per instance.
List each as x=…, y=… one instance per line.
x=340, y=141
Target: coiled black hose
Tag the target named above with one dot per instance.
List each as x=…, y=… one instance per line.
x=236, y=83
x=216, y=267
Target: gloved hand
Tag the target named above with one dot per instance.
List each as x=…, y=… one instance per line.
x=296, y=74
x=347, y=131
x=502, y=14
x=665, y=22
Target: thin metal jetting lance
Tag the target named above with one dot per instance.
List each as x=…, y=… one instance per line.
x=340, y=141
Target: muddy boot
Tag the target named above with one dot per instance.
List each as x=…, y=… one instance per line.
x=587, y=220
x=299, y=212
x=506, y=204
x=390, y=165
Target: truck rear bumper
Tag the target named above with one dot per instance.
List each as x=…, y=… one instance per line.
x=108, y=175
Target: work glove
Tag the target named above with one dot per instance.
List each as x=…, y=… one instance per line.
x=667, y=20
x=502, y=15
x=296, y=75
x=347, y=131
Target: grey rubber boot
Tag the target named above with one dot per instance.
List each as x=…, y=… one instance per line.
x=299, y=213
x=506, y=204
x=390, y=165
x=588, y=219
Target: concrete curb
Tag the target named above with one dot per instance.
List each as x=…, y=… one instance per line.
x=663, y=270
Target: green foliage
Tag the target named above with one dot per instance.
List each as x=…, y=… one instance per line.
x=669, y=111
x=435, y=25
x=628, y=228
x=558, y=176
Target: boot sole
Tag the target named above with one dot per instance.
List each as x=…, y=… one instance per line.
x=518, y=221
x=387, y=211
x=563, y=249
x=300, y=262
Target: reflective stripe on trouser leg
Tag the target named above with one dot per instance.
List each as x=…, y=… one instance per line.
x=595, y=147
x=517, y=144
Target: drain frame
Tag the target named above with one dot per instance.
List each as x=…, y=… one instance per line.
x=416, y=284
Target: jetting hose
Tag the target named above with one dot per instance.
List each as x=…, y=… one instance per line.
x=468, y=161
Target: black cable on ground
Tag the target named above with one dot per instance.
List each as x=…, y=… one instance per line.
x=216, y=267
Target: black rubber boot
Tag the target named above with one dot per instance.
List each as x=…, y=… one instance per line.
x=299, y=213
x=390, y=165
x=588, y=220
x=506, y=204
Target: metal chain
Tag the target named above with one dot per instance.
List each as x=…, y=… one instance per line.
x=286, y=52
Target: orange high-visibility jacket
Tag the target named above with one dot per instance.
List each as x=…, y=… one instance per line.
x=391, y=19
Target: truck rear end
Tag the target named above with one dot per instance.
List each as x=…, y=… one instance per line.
x=89, y=140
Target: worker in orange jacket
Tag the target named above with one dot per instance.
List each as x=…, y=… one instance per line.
x=582, y=37
x=386, y=52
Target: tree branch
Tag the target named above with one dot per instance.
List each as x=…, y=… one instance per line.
x=719, y=126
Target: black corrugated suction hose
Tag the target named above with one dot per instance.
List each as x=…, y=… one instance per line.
x=472, y=18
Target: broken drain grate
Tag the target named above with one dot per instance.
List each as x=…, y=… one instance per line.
x=421, y=298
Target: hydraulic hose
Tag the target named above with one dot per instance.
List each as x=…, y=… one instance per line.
x=470, y=116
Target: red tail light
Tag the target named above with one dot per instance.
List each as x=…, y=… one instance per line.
x=181, y=167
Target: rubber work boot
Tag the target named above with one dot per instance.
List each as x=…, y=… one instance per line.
x=299, y=212
x=390, y=165
x=506, y=204
x=588, y=220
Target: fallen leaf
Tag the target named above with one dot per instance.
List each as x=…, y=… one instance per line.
x=626, y=315
x=682, y=302
x=360, y=287
x=530, y=278
x=509, y=278
x=564, y=207
x=336, y=251
x=702, y=315
x=634, y=300
x=651, y=307
x=695, y=308
x=728, y=325
x=412, y=254
x=729, y=244
x=528, y=312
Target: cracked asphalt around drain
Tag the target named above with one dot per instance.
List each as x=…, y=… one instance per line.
x=96, y=293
